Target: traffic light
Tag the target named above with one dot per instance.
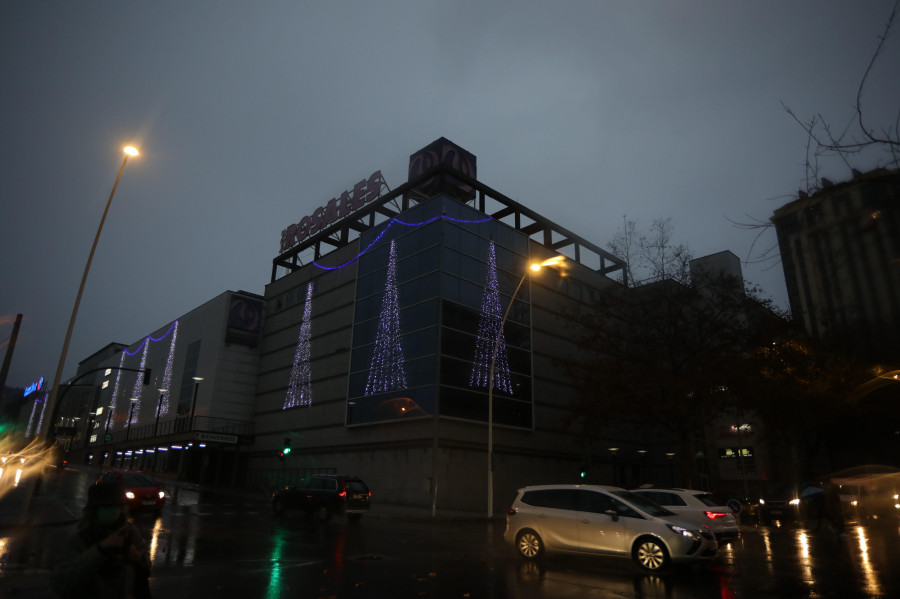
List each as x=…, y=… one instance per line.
x=287, y=446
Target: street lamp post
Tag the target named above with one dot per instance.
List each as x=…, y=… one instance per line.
x=134, y=401
x=129, y=151
x=615, y=461
x=197, y=380
x=162, y=394
x=555, y=260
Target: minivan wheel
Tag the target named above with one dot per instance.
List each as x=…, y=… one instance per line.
x=529, y=544
x=650, y=554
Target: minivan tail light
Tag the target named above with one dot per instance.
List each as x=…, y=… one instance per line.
x=714, y=515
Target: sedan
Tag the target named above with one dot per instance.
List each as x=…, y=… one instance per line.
x=700, y=507
x=142, y=492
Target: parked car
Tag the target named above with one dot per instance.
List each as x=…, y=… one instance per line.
x=700, y=507
x=324, y=495
x=142, y=492
x=745, y=507
x=602, y=520
x=783, y=502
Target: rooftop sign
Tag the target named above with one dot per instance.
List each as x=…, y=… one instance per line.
x=364, y=191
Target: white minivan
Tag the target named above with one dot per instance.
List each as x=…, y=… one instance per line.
x=602, y=520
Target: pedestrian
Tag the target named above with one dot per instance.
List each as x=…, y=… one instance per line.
x=105, y=557
x=833, y=507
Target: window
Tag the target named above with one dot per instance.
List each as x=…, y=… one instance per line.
x=596, y=503
x=624, y=509
x=663, y=498
x=559, y=499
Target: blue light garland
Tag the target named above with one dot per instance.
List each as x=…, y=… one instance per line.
x=30, y=427
x=489, y=327
x=151, y=338
x=167, y=376
x=388, y=371
x=405, y=224
x=43, y=402
x=139, y=387
x=115, y=393
x=299, y=391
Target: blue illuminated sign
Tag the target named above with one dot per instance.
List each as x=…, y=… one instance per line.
x=34, y=387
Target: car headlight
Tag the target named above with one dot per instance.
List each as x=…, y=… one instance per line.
x=680, y=530
x=162, y=494
x=795, y=502
x=762, y=502
x=129, y=495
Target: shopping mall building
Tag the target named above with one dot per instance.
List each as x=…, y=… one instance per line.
x=372, y=350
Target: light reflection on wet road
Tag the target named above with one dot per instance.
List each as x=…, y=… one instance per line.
x=233, y=546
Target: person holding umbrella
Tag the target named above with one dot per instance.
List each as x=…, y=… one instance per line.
x=105, y=556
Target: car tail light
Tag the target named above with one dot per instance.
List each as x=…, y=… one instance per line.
x=511, y=511
x=342, y=494
x=714, y=515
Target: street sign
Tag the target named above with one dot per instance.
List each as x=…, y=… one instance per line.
x=216, y=437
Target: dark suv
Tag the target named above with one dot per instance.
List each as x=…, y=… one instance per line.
x=324, y=495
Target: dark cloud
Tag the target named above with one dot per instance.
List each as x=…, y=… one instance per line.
x=249, y=116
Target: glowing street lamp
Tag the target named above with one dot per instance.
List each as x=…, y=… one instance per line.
x=535, y=267
x=129, y=151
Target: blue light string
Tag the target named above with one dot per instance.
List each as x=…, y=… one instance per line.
x=390, y=224
x=150, y=338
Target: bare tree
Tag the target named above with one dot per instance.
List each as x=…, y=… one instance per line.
x=652, y=256
x=858, y=134
x=824, y=140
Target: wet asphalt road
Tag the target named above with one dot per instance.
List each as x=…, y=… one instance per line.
x=208, y=544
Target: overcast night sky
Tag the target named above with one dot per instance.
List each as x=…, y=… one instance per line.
x=250, y=115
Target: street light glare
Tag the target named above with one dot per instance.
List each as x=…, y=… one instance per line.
x=130, y=150
x=553, y=261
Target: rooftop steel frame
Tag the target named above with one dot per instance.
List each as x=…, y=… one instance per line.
x=397, y=201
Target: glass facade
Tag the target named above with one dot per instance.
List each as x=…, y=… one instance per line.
x=440, y=274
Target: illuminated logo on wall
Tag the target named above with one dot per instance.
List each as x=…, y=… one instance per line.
x=444, y=151
x=364, y=192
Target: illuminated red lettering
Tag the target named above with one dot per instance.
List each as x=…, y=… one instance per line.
x=359, y=195
x=303, y=229
x=374, y=186
x=315, y=222
x=345, y=205
x=331, y=212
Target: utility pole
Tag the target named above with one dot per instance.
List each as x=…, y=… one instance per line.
x=7, y=359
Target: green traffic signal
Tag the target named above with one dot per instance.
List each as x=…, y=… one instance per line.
x=287, y=446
